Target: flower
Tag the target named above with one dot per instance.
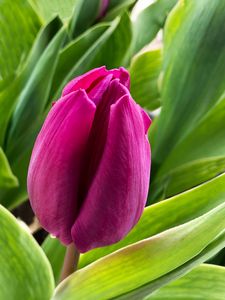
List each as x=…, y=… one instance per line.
x=103, y=8
x=89, y=172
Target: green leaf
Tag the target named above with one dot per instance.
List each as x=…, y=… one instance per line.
x=205, y=282
x=204, y=141
x=34, y=95
x=7, y=179
x=72, y=53
x=115, y=3
x=55, y=252
x=144, y=72
x=29, y=110
x=19, y=25
x=25, y=271
x=51, y=8
x=167, y=214
x=175, y=211
x=139, y=264
x=88, y=14
x=148, y=18
x=9, y=96
x=192, y=88
x=197, y=158
x=117, y=8
x=109, y=48
x=208, y=252
x=187, y=176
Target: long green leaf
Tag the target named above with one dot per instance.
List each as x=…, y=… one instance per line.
x=205, y=141
x=205, y=282
x=199, y=157
x=186, y=177
x=155, y=219
x=9, y=96
x=35, y=93
x=145, y=261
x=167, y=214
x=25, y=271
x=148, y=17
x=29, y=110
x=88, y=14
x=190, y=89
x=7, y=179
x=48, y=9
x=72, y=53
x=213, y=248
x=109, y=49
x=144, y=72
x=19, y=25
x=117, y=8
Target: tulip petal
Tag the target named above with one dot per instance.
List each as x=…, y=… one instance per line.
x=146, y=119
x=84, y=81
x=103, y=8
x=87, y=80
x=123, y=75
x=118, y=193
x=56, y=162
x=98, y=134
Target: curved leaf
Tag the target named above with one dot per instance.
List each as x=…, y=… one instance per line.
x=144, y=72
x=155, y=219
x=7, y=179
x=141, y=263
x=148, y=17
x=205, y=282
x=19, y=25
x=25, y=271
x=108, y=49
x=9, y=96
x=190, y=89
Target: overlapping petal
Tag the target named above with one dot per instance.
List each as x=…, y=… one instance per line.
x=55, y=166
x=117, y=195
x=89, y=172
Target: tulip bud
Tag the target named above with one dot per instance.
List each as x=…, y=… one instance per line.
x=89, y=172
x=103, y=8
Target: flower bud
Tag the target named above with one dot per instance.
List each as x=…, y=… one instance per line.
x=89, y=172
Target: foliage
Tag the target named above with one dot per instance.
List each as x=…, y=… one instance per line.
x=43, y=46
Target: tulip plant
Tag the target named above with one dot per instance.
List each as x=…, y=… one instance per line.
x=112, y=128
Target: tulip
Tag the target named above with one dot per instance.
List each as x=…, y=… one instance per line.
x=89, y=172
x=103, y=8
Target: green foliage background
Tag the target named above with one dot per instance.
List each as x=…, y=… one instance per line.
x=175, y=52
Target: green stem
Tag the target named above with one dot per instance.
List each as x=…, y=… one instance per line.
x=70, y=261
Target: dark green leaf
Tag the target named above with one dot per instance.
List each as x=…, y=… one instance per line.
x=148, y=18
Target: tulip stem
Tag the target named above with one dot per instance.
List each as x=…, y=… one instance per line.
x=70, y=261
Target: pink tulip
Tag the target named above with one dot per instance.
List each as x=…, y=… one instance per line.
x=103, y=8
x=89, y=171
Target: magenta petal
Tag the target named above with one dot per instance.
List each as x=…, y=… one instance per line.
x=118, y=193
x=96, y=93
x=123, y=75
x=146, y=119
x=89, y=79
x=84, y=81
x=56, y=162
x=103, y=8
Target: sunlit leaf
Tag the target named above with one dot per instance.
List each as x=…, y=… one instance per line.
x=205, y=282
x=134, y=266
x=7, y=179
x=19, y=25
x=144, y=71
x=25, y=271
